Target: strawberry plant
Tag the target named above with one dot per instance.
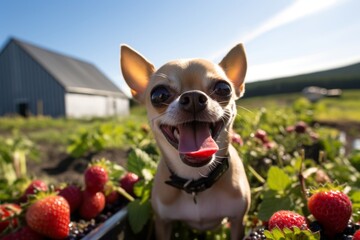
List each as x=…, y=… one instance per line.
x=286, y=153
x=14, y=151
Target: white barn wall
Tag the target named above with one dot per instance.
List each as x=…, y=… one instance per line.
x=82, y=105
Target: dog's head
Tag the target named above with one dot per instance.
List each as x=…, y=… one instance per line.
x=190, y=105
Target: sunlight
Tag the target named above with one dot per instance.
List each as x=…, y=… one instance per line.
x=295, y=11
x=299, y=9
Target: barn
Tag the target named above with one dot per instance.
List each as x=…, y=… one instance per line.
x=38, y=81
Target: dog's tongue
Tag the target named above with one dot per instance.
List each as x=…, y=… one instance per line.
x=195, y=140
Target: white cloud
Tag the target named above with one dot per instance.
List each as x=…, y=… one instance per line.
x=297, y=10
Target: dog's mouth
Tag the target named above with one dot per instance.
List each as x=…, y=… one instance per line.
x=195, y=141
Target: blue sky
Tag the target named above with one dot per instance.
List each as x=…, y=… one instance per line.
x=281, y=37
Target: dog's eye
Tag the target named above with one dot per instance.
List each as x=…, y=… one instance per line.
x=222, y=89
x=159, y=95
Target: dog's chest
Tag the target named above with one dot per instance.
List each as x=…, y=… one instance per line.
x=208, y=211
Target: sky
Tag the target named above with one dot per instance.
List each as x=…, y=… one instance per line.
x=281, y=37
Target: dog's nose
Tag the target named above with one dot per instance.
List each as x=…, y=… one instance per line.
x=193, y=101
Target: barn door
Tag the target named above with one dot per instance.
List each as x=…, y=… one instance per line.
x=23, y=109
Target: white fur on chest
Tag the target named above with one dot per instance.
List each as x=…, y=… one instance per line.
x=208, y=212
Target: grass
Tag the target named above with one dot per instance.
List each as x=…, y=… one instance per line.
x=59, y=130
x=343, y=109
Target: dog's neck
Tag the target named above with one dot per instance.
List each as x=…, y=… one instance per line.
x=195, y=186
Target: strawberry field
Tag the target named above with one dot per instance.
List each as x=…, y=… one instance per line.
x=291, y=155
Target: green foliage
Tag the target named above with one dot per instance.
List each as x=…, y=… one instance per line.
x=139, y=214
x=11, y=191
x=354, y=158
x=111, y=135
x=274, y=171
x=143, y=165
x=277, y=179
x=291, y=234
x=14, y=151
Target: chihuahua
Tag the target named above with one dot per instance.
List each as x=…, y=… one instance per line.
x=191, y=107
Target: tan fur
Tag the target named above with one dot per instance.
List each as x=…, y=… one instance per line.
x=229, y=197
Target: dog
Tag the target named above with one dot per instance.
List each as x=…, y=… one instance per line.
x=191, y=107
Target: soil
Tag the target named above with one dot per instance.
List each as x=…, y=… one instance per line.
x=58, y=166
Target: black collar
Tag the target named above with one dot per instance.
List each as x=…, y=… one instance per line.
x=201, y=184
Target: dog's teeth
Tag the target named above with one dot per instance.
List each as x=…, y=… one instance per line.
x=176, y=133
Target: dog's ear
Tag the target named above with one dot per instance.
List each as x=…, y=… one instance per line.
x=234, y=65
x=136, y=71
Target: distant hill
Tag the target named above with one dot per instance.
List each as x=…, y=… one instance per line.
x=347, y=77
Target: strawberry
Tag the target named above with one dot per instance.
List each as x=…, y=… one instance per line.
x=331, y=208
x=300, y=127
x=128, y=181
x=92, y=205
x=236, y=138
x=96, y=177
x=269, y=145
x=287, y=219
x=73, y=196
x=49, y=215
x=7, y=212
x=356, y=235
x=261, y=134
x=112, y=197
x=25, y=233
x=34, y=186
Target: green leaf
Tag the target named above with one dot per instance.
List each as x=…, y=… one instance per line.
x=277, y=233
x=268, y=235
x=277, y=179
x=355, y=197
x=138, y=160
x=142, y=189
x=289, y=234
x=272, y=203
x=139, y=214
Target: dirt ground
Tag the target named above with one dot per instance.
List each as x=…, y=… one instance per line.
x=57, y=165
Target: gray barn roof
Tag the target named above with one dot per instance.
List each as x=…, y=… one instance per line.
x=74, y=75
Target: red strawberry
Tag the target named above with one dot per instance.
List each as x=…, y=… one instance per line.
x=269, y=145
x=356, y=235
x=73, y=196
x=112, y=197
x=128, y=181
x=35, y=185
x=25, y=233
x=287, y=219
x=261, y=134
x=236, y=138
x=96, y=177
x=49, y=215
x=92, y=205
x=332, y=208
x=8, y=210
x=300, y=127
